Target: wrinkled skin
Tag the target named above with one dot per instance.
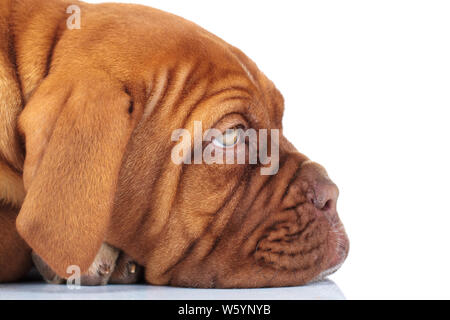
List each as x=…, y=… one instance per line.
x=209, y=226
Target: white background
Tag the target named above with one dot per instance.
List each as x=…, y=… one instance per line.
x=367, y=89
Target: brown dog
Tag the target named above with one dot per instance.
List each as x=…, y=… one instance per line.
x=86, y=122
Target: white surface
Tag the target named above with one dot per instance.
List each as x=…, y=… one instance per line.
x=326, y=290
x=367, y=88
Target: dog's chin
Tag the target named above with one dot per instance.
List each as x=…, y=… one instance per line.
x=338, y=250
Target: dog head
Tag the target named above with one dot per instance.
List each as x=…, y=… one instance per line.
x=100, y=166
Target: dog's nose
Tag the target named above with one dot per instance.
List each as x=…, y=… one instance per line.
x=324, y=195
x=321, y=191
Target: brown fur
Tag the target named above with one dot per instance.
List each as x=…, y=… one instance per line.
x=100, y=106
x=15, y=255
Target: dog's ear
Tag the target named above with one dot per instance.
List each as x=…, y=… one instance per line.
x=76, y=132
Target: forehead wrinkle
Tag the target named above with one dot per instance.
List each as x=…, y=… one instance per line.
x=212, y=91
x=176, y=81
x=236, y=88
x=252, y=89
x=245, y=69
x=192, y=81
x=155, y=93
x=166, y=87
x=203, y=111
x=261, y=93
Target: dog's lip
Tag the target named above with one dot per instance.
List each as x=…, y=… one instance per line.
x=327, y=273
x=339, y=250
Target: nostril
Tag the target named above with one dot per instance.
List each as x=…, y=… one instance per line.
x=327, y=205
x=325, y=197
x=324, y=205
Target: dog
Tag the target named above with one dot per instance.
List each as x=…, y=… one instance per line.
x=86, y=176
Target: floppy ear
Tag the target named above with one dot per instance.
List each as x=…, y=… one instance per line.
x=76, y=132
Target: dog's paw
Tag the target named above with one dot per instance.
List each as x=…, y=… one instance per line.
x=127, y=271
x=98, y=274
x=103, y=267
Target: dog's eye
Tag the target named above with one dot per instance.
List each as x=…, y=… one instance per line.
x=230, y=138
